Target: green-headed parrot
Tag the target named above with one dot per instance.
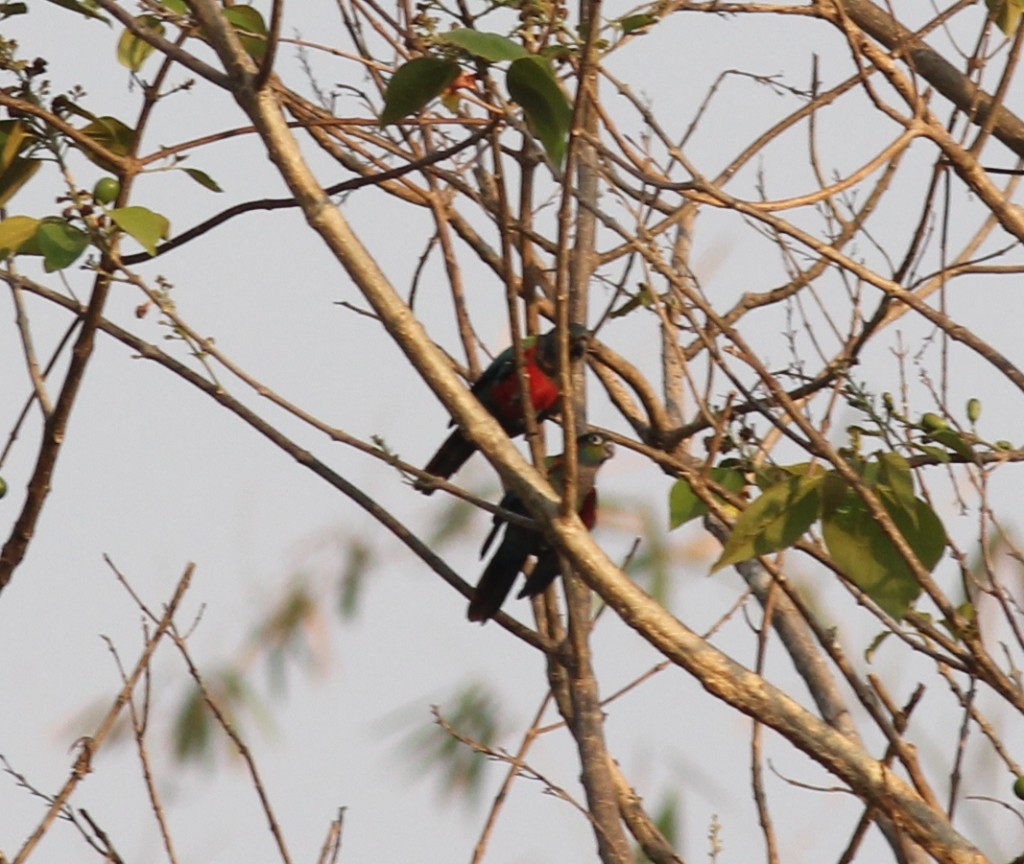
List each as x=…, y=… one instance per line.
x=519, y=543
x=498, y=391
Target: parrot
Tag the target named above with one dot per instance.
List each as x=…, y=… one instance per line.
x=593, y=450
x=497, y=388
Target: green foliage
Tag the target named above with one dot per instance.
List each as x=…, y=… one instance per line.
x=414, y=85
x=861, y=549
x=111, y=134
x=133, y=51
x=635, y=23
x=359, y=559
x=775, y=521
x=491, y=47
x=1005, y=14
x=3, y=487
x=194, y=725
x=532, y=83
x=142, y=224
x=60, y=243
x=473, y=718
x=82, y=7
x=15, y=169
x=796, y=497
x=1018, y=787
x=251, y=29
x=683, y=503
x=175, y=7
x=15, y=232
x=666, y=819
x=203, y=179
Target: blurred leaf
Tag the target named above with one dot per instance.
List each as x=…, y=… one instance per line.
x=7, y=10
x=1005, y=14
x=285, y=633
x=643, y=299
x=251, y=29
x=82, y=7
x=868, y=557
x=532, y=84
x=133, y=51
x=774, y=521
x=60, y=243
x=195, y=725
x=876, y=643
x=14, y=232
x=487, y=46
x=143, y=224
x=192, y=729
x=451, y=521
x=112, y=134
x=358, y=562
x=414, y=85
x=14, y=138
x=894, y=473
x=203, y=179
x=954, y=441
x=475, y=717
x=176, y=7
x=666, y=820
x=633, y=23
x=683, y=503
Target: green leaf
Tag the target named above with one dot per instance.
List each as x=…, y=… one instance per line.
x=60, y=243
x=251, y=29
x=414, y=85
x=175, y=7
x=954, y=441
x=774, y=521
x=868, y=557
x=532, y=84
x=82, y=7
x=683, y=503
x=112, y=134
x=14, y=138
x=143, y=224
x=632, y=23
x=894, y=473
x=15, y=231
x=203, y=179
x=16, y=175
x=1006, y=15
x=876, y=643
x=487, y=46
x=133, y=51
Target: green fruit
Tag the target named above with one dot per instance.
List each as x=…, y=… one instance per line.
x=1004, y=445
x=933, y=422
x=1018, y=787
x=106, y=190
x=3, y=487
x=973, y=410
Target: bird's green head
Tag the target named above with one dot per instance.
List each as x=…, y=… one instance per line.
x=593, y=448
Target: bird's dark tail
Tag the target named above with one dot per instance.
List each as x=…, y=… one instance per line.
x=449, y=458
x=497, y=579
x=546, y=568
